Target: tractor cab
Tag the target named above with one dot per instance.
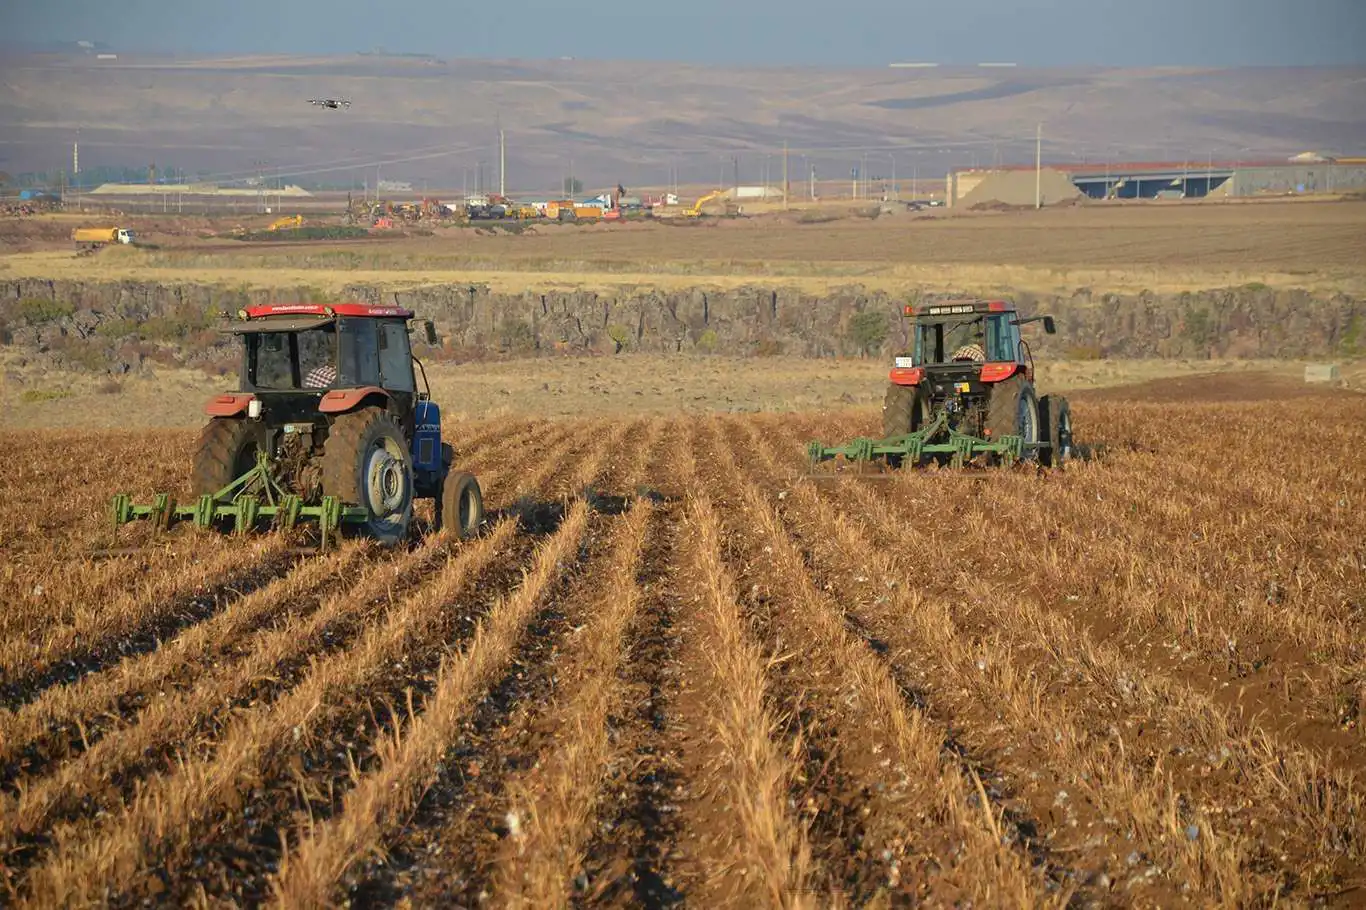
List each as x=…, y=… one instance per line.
x=974, y=341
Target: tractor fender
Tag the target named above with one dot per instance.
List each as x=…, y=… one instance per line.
x=339, y=401
x=229, y=404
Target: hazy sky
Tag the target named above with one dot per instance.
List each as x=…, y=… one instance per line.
x=851, y=32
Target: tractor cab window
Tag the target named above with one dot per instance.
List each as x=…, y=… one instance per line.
x=292, y=360
x=317, y=358
x=1001, y=337
x=954, y=340
x=360, y=353
x=395, y=357
x=970, y=339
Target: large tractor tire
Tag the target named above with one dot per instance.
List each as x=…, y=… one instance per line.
x=460, y=506
x=1014, y=411
x=226, y=450
x=904, y=410
x=366, y=463
x=1055, y=417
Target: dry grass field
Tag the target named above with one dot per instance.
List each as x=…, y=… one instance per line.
x=1157, y=247
x=626, y=384
x=671, y=672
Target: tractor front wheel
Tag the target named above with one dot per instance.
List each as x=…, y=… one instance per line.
x=1014, y=411
x=366, y=463
x=226, y=450
x=460, y=505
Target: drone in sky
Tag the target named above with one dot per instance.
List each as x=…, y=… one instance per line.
x=333, y=103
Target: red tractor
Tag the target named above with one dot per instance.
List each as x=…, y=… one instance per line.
x=965, y=391
x=328, y=425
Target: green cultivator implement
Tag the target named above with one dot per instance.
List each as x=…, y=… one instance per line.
x=920, y=448
x=251, y=501
x=963, y=395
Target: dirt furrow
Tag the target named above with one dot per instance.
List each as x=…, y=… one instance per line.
x=740, y=841
x=1159, y=583
x=102, y=635
x=892, y=809
x=67, y=720
x=407, y=758
x=444, y=849
x=629, y=858
x=1152, y=819
x=139, y=849
x=555, y=800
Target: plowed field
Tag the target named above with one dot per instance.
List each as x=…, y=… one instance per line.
x=670, y=672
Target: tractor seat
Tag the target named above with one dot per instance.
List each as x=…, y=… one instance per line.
x=970, y=352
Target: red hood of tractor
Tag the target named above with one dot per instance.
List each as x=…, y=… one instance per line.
x=325, y=309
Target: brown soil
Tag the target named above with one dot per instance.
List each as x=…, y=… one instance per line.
x=1136, y=681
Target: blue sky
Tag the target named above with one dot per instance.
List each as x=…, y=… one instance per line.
x=850, y=33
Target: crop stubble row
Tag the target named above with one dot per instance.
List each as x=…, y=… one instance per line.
x=715, y=693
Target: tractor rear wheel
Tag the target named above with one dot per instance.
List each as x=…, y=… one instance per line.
x=904, y=410
x=226, y=450
x=1013, y=410
x=366, y=463
x=1056, y=421
x=460, y=505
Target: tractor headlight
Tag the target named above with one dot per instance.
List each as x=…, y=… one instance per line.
x=254, y=409
x=242, y=314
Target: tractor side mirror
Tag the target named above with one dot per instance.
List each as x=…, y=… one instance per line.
x=1049, y=326
x=429, y=331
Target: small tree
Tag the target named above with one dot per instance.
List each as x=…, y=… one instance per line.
x=620, y=336
x=867, y=331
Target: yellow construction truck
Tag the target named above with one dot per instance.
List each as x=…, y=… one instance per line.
x=89, y=238
x=287, y=222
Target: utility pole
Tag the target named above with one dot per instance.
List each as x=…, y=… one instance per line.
x=787, y=187
x=896, y=190
x=1038, y=166
x=813, y=182
x=502, y=165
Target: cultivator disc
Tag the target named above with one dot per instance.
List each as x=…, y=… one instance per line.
x=252, y=501
x=936, y=442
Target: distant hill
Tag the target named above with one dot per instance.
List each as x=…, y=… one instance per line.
x=645, y=123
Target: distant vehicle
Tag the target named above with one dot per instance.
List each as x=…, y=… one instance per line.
x=289, y=221
x=333, y=103
x=89, y=238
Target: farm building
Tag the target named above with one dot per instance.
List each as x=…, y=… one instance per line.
x=1014, y=185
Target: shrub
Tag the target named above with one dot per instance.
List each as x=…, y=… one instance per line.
x=40, y=310
x=707, y=342
x=516, y=335
x=620, y=335
x=867, y=330
x=33, y=396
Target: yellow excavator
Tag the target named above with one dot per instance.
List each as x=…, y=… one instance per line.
x=290, y=221
x=696, y=210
